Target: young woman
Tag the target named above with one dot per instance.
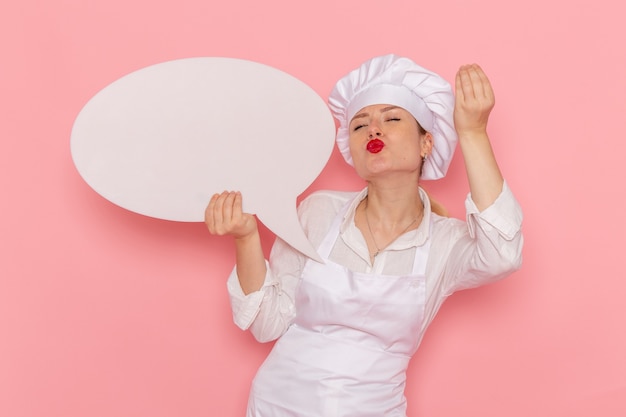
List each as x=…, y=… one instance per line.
x=348, y=327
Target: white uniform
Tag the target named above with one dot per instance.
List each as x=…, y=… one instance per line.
x=350, y=344
x=348, y=328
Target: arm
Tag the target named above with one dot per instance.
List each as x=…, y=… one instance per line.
x=489, y=247
x=224, y=216
x=474, y=101
x=261, y=296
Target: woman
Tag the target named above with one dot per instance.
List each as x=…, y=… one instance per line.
x=348, y=328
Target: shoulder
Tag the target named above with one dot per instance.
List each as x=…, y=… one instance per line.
x=317, y=211
x=447, y=229
x=326, y=200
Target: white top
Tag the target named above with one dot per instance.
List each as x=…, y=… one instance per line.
x=463, y=255
x=351, y=341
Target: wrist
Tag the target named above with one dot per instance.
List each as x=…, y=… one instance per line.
x=247, y=238
x=472, y=134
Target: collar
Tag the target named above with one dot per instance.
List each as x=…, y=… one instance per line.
x=417, y=237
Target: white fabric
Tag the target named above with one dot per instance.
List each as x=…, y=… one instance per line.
x=399, y=81
x=484, y=249
x=350, y=343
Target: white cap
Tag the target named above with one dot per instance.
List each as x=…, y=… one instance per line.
x=400, y=82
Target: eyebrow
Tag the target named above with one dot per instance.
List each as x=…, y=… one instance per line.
x=365, y=114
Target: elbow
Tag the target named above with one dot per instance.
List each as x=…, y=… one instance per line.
x=267, y=335
x=264, y=338
x=511, y=265
x=515, y=258
x=268, y=331
x=517, y=263
x=500, y=260
x=510, y=260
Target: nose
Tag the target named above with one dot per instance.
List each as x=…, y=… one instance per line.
x=374, y=130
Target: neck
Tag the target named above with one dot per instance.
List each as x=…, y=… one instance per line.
x=393, y=207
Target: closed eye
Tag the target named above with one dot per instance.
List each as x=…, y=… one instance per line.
x=395, y=119
x=358, y=127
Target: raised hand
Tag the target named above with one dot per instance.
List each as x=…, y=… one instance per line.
x=474, y=100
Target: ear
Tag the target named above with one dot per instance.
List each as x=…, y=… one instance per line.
x=426, y=144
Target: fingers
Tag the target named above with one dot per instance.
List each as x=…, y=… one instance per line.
x=473, y=87
x=474, y=99
x=464, y=88
x=208, y=214
x=472, y=82
x=484, y=82
x=223, y=212
x=227, y=207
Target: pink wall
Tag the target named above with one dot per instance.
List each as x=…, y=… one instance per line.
x=107, y=313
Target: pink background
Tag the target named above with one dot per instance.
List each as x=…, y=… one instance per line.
x=104, y=312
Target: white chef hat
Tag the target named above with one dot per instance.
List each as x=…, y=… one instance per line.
x=391, y=79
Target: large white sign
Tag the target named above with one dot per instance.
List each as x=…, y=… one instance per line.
x=162, y=140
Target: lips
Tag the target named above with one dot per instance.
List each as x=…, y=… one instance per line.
x=375, y=145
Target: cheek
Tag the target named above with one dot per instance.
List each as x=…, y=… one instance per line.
x=410, y=150
x=355, y=142
x=411, y=143
x=354, y=152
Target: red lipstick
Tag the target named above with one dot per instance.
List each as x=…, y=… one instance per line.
x=375, y=145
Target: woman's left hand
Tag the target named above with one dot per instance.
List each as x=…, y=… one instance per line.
x=474, y=100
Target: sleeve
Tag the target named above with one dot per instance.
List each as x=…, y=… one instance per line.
x=269, y=311
x=488, y=246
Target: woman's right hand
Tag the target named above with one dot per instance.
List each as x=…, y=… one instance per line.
x=224, y=216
